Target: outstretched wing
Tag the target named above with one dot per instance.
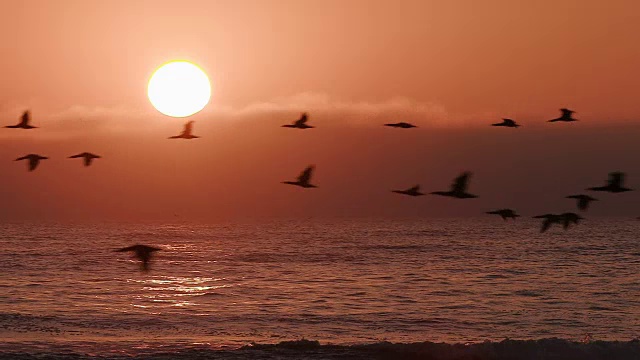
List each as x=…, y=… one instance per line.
x=303, y=119
x=616, y=179
x=76, y=156
x=460, y=183
x=129, y=248
x=305, y=176
x=414, y=189
x=22, y=158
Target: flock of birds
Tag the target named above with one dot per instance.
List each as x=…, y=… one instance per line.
x=458, y=189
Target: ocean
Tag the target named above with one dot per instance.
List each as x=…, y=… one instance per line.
x=345, y=288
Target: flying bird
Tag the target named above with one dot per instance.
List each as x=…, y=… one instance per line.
x=549, y=219
x=614, y=184
x=583, y=200
x=414, y=191
x=458, y=188
x=86, y=157
x=300, y=123
x=303, y=178
x=186, y=133
x=566, y=116
x=34, y=160
x=401, y=125
x=505, y=214
x=24, y=122
x=507, y=123
x=142, y=252
x=568, y=218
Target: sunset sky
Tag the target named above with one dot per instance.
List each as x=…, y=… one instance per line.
x=450, y=67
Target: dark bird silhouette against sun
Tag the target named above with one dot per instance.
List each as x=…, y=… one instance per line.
x=34, y=160
x=614, y=184
x=24, y=122
x=414, y=191
x=458, y=188
x=401, y=125
x=86, y=157
x=304, y=178
x=582, y=200
x=504, y=214
x=187, y=132
x=143, y=253
x=301, y=123
x=507, y=123
x=567, y=116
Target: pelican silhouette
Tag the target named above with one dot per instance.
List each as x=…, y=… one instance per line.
x=401, y=125
x=142, y=252
x=507, y=123
x=505, y=214
x=303, y=178
x=300, y=123
x=549, y=219
x=414, y=191
x=34, y=160
x=186, y=133
x=614, y=184
x=24, y=122
x=86, y=157
x=458, y=188
x=569, y=218
x=566, y=116
x=583, y=200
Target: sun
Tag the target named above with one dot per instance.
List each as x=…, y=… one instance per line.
x=179, y=89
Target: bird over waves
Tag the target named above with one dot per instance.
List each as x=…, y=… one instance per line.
x=303, y=178
x=566, y=116
x=549, y=219
x=24, y=122
x=401, y=125
x=186, y=132
x=86, y=156
x=583, y=200
x=568, y=218
x=414, y=191
x=507, y=123
x=143, y=253
x=505, y=214
x=614, y=184
x=34, y=160
x=300, y=123
x=458, y=188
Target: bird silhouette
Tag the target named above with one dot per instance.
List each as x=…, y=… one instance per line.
x=507, y=123
x=401, y=125
x=300, y=123
x=583, y=200
x=142, y=253
x=566, y=116
x=303, y=178
x=186, y=133
x=414, y=191
x=549, y=219
x=24, y=122
x=569, y=218
x=86, y=157
x=505, y=214
x=34, y=160
x=458, y=188
x=614, y=184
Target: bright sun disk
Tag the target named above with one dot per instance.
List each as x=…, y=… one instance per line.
x=179, y=89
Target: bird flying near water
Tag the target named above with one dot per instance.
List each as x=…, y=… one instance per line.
x=458, y=188
x=567, y=116
x=304, y=178
x=414, y=191
x=187, y=132
x=143, y=253
x=507, y=123
x=614, y=184
x=301, y=123
x=583, y=200
x=24, y=122
x=504, y=214
x=86, y=157
x=34, y=160
x=401, y=125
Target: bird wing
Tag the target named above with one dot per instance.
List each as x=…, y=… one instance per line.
x=128, y=248
x=22, y=158
x=460, y=183
x=566, y=113
x=76, y=156
x=303, y=119
x=24, y=120
x=616, y=178
x=305, y=176
x=414, y=189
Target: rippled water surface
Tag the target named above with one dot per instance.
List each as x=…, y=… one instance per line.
x=344, y=282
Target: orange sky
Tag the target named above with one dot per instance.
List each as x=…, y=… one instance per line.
x=449, y=66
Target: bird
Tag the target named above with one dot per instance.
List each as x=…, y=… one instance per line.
x=504, y=213
x=34, y=160
x=583, y=200
x=186, y=133
x=568, y=218
x=566, y=116
x=614, y=184
x=24, y=122
x=458, y=188
x=303, y=178
x=507, y=123
x=142, y=252
x=401, y=125
x=87, y=157
x=300, y=123
x=414, y=191
x=549, y=219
